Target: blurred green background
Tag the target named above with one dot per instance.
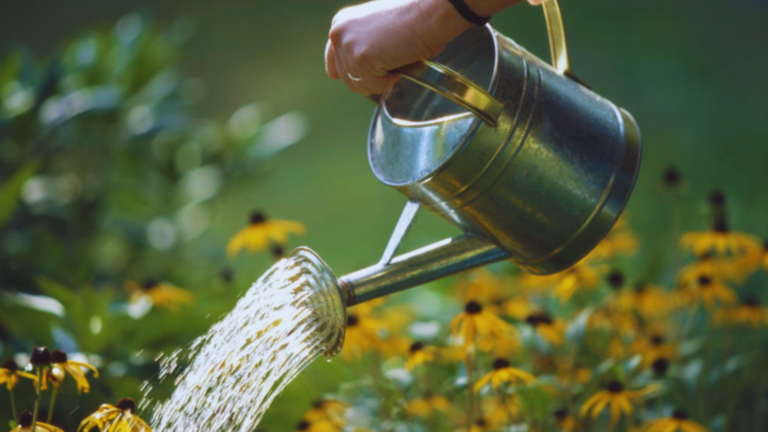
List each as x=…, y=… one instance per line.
x=691, y=73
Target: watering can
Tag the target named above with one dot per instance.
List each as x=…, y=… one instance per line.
x=524, y=157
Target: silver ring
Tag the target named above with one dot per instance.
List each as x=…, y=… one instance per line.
x=354, y=78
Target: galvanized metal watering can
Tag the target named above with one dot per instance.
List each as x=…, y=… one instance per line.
x=528, y=161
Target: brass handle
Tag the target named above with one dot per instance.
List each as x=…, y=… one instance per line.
x=460, y=90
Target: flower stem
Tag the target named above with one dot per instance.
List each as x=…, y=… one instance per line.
x=13, y=404
x=53, y=403
x=470, y=390
x=37, y=397
x=503, y=396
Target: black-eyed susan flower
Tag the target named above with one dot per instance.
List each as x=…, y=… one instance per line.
x=581, y=276
x=25, y=424
x=503, y=373
x=501, y=411
x=481, y=286
x=327, y=409
x=614, y=320
x=120, y=417
x=161, y=294
x=548, y=328
x=419, y=354
x=749, y=312
x=649, y=301
x=709, y=290
x=565, y=421
x=671, y=178
x=719, y=240
x=677, y=422
x=10, y=374
x=61, y=366
x=619, y=241
x=427, y=405
x=729, y=269
x=261, y=233
x=653, y=347
x=318, y=426
x=41, y=361
x=476, y=326
x=616, y=398
x=362, y=336
x=517, y=307
x=660, y=366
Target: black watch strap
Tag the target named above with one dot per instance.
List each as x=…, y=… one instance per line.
x=468, y=14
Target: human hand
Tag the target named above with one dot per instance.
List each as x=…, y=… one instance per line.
x=370, y=40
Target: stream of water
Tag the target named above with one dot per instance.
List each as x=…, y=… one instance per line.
x=290, y=316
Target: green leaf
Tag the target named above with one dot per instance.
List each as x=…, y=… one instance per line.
x=10, y=191
x=56, y=290
x=12, y=424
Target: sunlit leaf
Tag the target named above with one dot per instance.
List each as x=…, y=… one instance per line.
x=10, y=192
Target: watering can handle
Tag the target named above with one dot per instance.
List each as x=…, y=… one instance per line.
x=474, y=98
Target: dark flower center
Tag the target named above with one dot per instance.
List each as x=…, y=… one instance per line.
x=765, y=244
x=416, y=346
x=227, y=274
x=480, y=422
x=538, y=319
x=640, y=288
x=679, y=414
x=614, y=387
x=671, y=176
x=303, y=425
x=257, y=217
x=660, y=366
x=149, y=283
x=751, y=301
x=500, y=363
x=717, y=198
x=351, y=320
x=657, y=340
x=278, y=251
x=25, y=419
x=616, y=279
x=317, y=404
x=59, y=356
x=126, y=404
x=561, y=414
x=10, y=365
x=40, y=357
x=704, y=281
x=473, y=308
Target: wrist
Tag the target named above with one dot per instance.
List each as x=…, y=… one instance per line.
x=487, y=8
x=440, y=21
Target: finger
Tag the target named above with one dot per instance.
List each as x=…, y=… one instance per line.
x=380, y=84
x=330, y=61
x=345, y=73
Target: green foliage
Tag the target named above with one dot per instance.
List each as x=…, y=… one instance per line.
x=108, y=177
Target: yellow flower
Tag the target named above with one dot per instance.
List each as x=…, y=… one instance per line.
x=25, y=424
x=720, y=240
x=499, y=412
x=749, y=312
x=580, y=276
x=565, y=421
x=419, y=354
x=731, y=269
x=620, y=240
x=327, y=409
x=503, y=373
x=160, y=294
x=548, y=328
x=119, y=418
x=10, y=373
x=622, y=322
x=677, y=422
x=709, y=290
x=261, y=232
x=480, y=285
x=318, y=426
x=652, y=348
x=518, y=307
x=619, y=399
x=649, y=301
x=430, y=404
x=477, y=326
x=362, y=336
x=62, y=366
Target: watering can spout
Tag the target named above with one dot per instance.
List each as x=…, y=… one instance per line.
x=396, y=273
x=423, y=265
